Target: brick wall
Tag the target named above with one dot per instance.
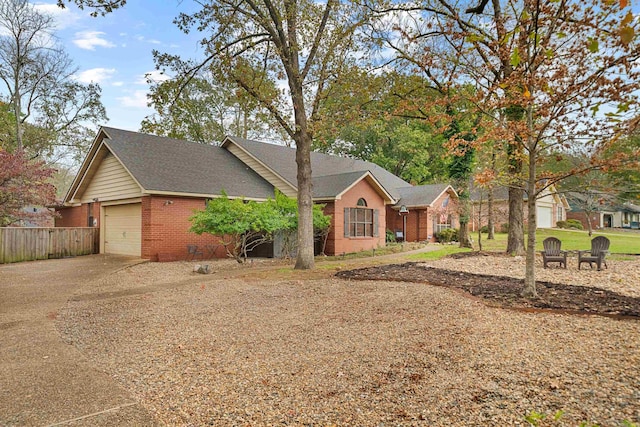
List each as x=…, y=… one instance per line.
x=336, y=241
x=165, y=228
x=75, y=216
x=420, y=220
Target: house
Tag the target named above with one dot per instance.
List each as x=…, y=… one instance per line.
x=422, y=211
x=603, y=210
x=141, y=190
x=551, y=207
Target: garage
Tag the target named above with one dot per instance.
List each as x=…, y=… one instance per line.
x=545, y=216
x=122, y=229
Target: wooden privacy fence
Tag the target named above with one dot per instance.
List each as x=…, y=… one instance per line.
x=27, y=244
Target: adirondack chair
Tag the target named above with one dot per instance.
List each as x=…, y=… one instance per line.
x=597, y=254
x=553, y=253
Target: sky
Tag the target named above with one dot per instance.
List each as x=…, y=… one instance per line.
x=115, y=50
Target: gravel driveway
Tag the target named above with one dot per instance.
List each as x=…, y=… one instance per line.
x=264, y=345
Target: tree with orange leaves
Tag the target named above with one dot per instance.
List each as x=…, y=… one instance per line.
x=549, y=77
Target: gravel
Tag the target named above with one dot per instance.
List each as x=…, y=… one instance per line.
x=263, y=345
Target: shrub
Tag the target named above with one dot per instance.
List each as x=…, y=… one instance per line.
x=504, y=228
x=447, y=235
x=390, y=237
x=574, y=223
x=484, y=229
x=570, y=223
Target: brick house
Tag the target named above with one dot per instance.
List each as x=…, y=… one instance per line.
x=141, y=189
x=427, y=210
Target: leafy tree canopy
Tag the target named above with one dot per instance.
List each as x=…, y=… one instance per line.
x=23, y=183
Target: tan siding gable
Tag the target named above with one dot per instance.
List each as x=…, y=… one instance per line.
x=111, y=182
x=263, y=171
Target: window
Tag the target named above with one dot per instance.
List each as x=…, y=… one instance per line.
x=559, y=213
x=360, y=222
x=361, y=202
x=442, y=221
x=90, y=215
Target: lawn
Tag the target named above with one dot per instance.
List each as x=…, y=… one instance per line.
x=622, y=242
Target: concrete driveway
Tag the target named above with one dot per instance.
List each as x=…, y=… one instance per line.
x=43, y=381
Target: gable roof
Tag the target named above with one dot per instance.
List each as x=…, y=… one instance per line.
x=163, y=165
x=331, y=187
x=422, y=195
x=282, y=161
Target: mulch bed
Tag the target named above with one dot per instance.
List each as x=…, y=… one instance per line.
x=501, y=291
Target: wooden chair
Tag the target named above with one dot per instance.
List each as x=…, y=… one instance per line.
x=553, y=253
x=193, y=252
x=597, y=253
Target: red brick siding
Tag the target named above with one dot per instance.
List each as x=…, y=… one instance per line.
x=420, y=220
x=336, y=240
x=329, y=209
x=77, y=216
x=165, y=228
x=582, y=217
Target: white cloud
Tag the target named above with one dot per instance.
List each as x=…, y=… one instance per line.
x=142, y=38
x=117, y=84
x=138, y=99
x=95, y=75
x=155, y=76
x=90, y=39
x=63, y=18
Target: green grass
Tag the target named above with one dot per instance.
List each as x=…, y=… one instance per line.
x=621, y=243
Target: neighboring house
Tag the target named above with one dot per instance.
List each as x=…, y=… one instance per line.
x=141, y=190
x=551, y=207
x=603, y=210
x=428, y=209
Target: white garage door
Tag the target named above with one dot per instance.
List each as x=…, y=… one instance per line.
x=545, y=215
x=122, y=229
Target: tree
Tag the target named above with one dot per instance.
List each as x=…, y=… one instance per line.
x=303, y=43
x=549, y=77
x=208, y=109
x=100, y=7
x=362, y=117
x=38, y=78
x=564, y=66
x=23, y=182
x=241, y=225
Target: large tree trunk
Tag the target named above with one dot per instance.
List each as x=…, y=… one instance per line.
x=464, y=238
x=515, y=239
x=304, y=260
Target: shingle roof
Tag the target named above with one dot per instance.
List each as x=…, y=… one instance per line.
x=420, y=195
x=172, y=165
x=330, y=186
x=282, y=160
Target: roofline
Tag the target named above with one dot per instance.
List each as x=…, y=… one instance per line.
x=430, y=205
x=228, y=140
x=84, y=167
x=366, y=174
x=198, y=195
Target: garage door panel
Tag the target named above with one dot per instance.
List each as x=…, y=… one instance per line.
x=122, y=229
x=544, y=216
